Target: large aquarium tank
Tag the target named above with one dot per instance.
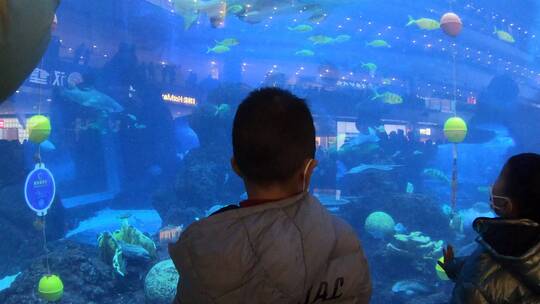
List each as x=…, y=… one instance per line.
x=126, y=108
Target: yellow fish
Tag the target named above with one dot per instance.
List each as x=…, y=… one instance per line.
x=321, y=39
x=228, y=42
x=379, y=43
x=218, y=49
x=302, y=28
x=425, y=23
x=305, y=53
x=504, y=36
x=388, y=97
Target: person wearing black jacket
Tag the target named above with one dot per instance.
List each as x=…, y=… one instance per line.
x=505, y=268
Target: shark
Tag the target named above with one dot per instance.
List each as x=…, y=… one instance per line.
x=92, y=98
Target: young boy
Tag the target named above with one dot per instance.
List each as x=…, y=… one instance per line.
x=506, y=266
x=280, y=245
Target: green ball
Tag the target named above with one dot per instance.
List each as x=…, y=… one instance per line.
x=51, y=288
x=39, y=128
x=440, y=271
x=455, y=130
x=379, y=224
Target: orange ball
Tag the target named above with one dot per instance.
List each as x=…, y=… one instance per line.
x=451, y=24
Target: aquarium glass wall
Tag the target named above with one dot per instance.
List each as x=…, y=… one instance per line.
x=415, y=110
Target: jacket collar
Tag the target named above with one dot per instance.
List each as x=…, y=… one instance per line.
x=515, y=244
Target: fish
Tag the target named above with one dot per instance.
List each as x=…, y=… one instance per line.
x=25, y=32
x=92, y=98
x=228, y=42
x=484, y=189
x=361, y=138
x=364, y=167
x=504, y=36
x=236, y=9
x=371, y=67
x=436, y=174
x=400, y=228
x=417, y=152
x=218, y=49
x=388, y=97
x=212, y=210
x=47, y=146
x=424, y=23
x=410, y=288
x=379, y=43
x=342, y=38
x=252, y=17
x=305, y=53
x=222, y=109
x=410, y=188
x=191, y=10
x=301, y=28
x=132, y=117
x=386, y=81
x=318, y=17
x=321, y=39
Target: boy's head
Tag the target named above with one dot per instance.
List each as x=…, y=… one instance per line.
x=273, y=137
x=516, y=194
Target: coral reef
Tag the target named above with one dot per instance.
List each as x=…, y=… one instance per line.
x=416, y=245
x=126, y=244
x=87, y=279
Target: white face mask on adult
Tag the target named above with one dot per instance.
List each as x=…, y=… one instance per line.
x=305, y=188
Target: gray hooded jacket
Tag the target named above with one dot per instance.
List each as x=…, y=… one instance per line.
x=290, y=251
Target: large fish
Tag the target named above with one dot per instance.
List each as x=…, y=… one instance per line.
x=190, y=10
x=25, y=27
x=254, y=11
x=93, y=99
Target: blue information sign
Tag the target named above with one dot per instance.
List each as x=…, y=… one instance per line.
x=39, y=189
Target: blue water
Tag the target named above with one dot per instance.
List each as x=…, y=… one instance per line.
x=154, y=138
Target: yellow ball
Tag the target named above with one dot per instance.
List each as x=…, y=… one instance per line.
x=455, y=129
x=39, y=128
x=51, y=288
x=440, y=271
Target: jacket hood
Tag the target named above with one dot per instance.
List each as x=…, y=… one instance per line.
x=515, y=244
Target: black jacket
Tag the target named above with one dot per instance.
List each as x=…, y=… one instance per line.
x=504, y=269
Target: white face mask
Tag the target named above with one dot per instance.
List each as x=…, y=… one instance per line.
x=304, y=188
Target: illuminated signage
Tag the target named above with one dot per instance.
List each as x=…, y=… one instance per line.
x=185, y=100
x=2, y=124
x=426, y=131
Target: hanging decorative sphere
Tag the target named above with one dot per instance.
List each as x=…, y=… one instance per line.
x=455, y=130
x=451, y=24
x=39, y=128
x=51, y=288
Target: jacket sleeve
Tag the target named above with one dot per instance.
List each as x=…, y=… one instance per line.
x=349, y=245
x=188, y=290
x=468, y=293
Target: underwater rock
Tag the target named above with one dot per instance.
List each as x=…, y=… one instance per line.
x=160, y=283
x=410, y=288
x=86, y=278
x=379, y=224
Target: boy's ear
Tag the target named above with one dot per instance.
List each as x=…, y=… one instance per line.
x=235, y=167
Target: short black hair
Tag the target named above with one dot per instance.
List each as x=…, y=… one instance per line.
x=521, y=183
x=273, y=134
